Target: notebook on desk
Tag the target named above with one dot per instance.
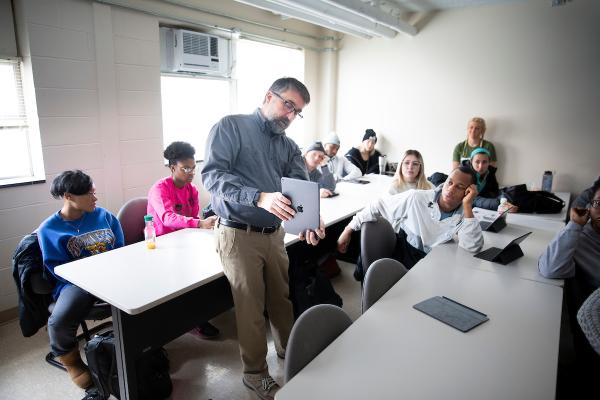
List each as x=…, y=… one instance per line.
x=505, y=255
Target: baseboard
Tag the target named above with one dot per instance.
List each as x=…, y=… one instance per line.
x=9, y=315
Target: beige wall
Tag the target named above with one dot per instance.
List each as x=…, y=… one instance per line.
x=531, y=70
x=95, y=71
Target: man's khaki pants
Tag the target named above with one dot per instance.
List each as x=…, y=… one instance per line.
x=256, y=266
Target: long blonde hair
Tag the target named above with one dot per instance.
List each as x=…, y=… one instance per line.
x=422, y=182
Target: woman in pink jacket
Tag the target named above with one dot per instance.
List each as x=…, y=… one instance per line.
x=174, y=204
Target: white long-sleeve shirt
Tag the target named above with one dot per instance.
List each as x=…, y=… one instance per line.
x=418, y=214
x=343, y=169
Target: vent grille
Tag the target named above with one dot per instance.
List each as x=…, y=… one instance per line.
x=214, y=47
x=196, y=44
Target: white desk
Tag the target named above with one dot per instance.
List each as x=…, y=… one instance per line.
x=396, y=352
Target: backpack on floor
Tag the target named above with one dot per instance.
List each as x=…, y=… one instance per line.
x=310, y=286
x=154, y=381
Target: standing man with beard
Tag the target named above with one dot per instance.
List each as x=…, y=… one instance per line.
x=246, y=157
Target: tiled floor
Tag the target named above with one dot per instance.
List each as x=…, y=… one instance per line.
x=200, y=369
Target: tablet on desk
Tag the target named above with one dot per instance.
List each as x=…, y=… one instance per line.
x=360, y=181
x=451, y=313
x=507, y=254
x=305, y=199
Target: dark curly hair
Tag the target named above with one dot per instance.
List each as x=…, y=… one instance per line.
x=75, y=182
x=178, y=151
x=466, y=169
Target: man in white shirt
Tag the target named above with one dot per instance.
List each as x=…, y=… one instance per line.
x=425, y=218
x=341, y=168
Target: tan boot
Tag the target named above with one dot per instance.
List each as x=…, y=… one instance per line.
x=77, y=370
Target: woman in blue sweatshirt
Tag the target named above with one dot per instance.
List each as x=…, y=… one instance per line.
x=79, y=229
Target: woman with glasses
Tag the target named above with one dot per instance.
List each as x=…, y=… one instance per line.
x=410, y=174
x=365, y=157
x=174, y=204
x=475, y=131
x=487, y=185
x=79, y=229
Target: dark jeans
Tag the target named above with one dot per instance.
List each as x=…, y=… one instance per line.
x=71, y=307
x=403, y=252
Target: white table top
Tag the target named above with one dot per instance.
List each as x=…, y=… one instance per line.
x=396, y=352
x=135, y=279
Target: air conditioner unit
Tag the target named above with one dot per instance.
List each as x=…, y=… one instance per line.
x=194, y=52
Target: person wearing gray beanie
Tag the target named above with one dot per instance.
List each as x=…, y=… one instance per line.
x=314, y=155
x=341, y=168
x=365, y=157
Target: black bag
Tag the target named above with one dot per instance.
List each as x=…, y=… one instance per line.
x=310, y=287
x=154, y=382
x=540, y=202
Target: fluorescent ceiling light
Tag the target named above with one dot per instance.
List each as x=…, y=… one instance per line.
x=348, y=16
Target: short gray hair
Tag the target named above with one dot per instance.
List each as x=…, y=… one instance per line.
x=286, y=83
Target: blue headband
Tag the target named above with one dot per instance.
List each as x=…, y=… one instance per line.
x=480, y=150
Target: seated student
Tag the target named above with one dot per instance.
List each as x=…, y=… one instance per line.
x=173, y=203
x=584, y=198
x=313, y=158
x=410, y=174
x=340, y=167
x=487, y=185
x=365, y=157
x=425, y=218
x=475, y=131
x=574, y=255
x=79, y=229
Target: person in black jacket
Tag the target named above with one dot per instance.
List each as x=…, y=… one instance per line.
x=365, y=157
x=487, y=184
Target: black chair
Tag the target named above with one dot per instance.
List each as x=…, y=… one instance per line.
x=40, y=286
x=377, y=241
x=99, y=311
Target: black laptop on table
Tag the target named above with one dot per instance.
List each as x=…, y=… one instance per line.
x=509, y=253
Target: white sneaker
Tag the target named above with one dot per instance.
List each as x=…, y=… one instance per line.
x=262, y=384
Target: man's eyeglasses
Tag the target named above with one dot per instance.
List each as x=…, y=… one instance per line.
x=595, y=203
x=288, y=105
x=188, y=170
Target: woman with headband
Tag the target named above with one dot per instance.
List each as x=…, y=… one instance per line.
x=487, y=185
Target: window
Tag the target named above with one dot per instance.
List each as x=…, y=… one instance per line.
x=192, y=105
x=20, y=149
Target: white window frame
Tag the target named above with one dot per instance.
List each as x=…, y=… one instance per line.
x=23, y=120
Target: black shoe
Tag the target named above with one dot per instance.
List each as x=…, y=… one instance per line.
x=206, y=331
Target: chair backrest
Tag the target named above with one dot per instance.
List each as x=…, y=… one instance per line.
x=314, y=330
x=377, y=240
x=589, y=319
x=131, y=217
x=380, y=277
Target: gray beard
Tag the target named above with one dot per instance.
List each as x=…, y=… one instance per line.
x=278, y=125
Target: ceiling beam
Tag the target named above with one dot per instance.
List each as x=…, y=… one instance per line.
x=375, y=14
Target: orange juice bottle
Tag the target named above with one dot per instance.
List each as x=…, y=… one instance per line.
x=149, y=232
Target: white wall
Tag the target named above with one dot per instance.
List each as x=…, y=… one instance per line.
x=95, y=71
x=531, y=70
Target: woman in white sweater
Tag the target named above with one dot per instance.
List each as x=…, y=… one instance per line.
x=410, y=174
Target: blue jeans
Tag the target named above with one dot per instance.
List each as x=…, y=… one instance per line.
x=71, y=307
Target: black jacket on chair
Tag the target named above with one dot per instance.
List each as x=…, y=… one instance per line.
x=33, y=307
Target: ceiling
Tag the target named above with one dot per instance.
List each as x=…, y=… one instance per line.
x=364, y=18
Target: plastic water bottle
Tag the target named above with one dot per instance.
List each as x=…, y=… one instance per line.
x=547, y=181
x=149, y=232
x=502, y=206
